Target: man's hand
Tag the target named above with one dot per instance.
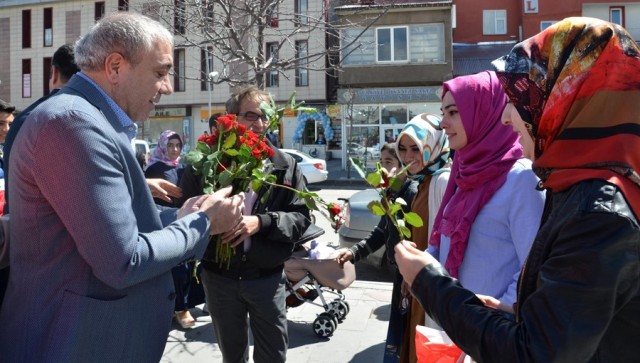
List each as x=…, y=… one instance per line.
x=225, y=212
x=411, y=260
x=249, y=226
x=163, y=189
x=493, y=303
x=344, y=255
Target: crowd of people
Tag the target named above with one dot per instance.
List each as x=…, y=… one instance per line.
x=529, y=251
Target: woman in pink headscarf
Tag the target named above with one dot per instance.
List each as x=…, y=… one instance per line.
x=487, y=220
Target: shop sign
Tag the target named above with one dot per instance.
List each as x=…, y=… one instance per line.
x=390, y=95
x=530, y=6
x=168, y=112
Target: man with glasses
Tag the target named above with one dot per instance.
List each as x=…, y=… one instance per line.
x=254, y=283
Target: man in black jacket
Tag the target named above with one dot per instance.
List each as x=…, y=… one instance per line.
x=254, y=281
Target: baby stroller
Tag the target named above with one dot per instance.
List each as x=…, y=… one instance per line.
x=311, y=278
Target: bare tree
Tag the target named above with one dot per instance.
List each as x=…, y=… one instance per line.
x=258, y=41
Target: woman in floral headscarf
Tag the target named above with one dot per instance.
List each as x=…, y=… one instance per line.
x=575, y=93
x=165, y=164
x=484, y=228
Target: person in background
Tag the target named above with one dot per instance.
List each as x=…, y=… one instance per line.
x=573, y=91
x=63, y=67
x=483, y=230
x=253, y=284
x=385, y=234
x=424, y=148
x=165, y=164
x=90, y=277
x=6, y=120
x=320, y=140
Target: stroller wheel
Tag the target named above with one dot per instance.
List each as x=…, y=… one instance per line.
x=324, y=326
x=339, y=308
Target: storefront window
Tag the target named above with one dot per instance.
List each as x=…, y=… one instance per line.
x=366, y=115
x=418, y=108
x=364, y=144
x=396, y=114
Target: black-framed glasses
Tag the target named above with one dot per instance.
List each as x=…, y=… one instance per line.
x=251, y=116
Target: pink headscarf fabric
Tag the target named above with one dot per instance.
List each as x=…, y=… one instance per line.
x=480, y=168
x=160, y=154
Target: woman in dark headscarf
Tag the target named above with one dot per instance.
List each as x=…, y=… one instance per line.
x=574, y=92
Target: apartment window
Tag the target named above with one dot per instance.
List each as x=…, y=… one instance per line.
x=99, y=10
x=46, y=74
x=179, y=70
x=272, y=53
x=206, y=66
x=180, y=17
x=302, y=70
x=26, y=28
x=616, y=15
x=301, y=8
x=26, y=78
x=48, y=27
x=123, y=5
x=494, y=22
x=426, y=42
x=392, y=44
x=272, y=16
x=546, y=23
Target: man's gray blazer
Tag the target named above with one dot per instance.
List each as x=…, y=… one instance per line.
x=90, y=260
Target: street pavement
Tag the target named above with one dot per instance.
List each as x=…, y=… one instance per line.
x=359, y=338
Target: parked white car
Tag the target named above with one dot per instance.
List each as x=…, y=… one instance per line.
x=141, y=146
x=314, y=170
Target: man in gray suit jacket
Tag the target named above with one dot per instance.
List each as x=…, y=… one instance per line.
x=90, y=270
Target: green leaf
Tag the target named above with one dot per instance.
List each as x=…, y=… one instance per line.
x=193, y=157
x=376, y=208
x=310, y=202
x=231, y=152
x=225, y=178
x=394, y=208
x=208, y=190
x=203, y=147
x=395, y=183
x=374, y=179
x=405, y=231
x=358, y=166
x=256, y=184
x=292, y=99
x=413, y=219
x=230, y=141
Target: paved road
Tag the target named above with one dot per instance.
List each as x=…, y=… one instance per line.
x=359, y=338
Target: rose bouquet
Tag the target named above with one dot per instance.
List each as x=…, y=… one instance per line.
x=231, y=155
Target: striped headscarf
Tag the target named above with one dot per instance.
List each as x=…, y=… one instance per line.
x=577, y=84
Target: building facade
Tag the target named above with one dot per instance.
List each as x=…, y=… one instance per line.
x=393, y=73
x=31, y=31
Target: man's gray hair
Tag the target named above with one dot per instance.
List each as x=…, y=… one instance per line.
x=130, y=34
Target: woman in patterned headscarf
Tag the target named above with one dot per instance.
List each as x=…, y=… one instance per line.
x=425, y=147
x=575, y=91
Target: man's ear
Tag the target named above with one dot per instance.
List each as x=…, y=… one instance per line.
x=55, y=77
x=113, y=64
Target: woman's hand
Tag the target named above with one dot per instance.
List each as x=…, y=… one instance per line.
x=344, y=255
x=411, y=260
x=163, y=189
